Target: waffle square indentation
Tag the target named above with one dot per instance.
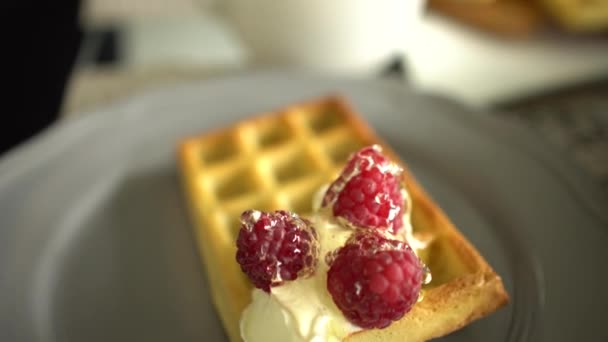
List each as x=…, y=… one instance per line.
x=237, y=183
x=299, y=164
x=274, y=133
x=443, y=261
x=342, y=149
x=325, y=120
x=221, y=148
x=301, y=202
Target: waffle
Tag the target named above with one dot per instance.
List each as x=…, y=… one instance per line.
x=521, y=18
x=511, y=18
x=278, y=161
x=579, y=15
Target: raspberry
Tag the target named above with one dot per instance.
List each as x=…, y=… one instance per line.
x=368, y=192
x=275, y=247
x=374, y=280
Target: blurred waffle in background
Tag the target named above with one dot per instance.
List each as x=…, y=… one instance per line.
x=507, y=17
x=579, y=15
x=519, y=18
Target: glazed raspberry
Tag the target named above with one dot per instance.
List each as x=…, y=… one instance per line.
x=275, y=247
x=368, y=192
x=373, y=280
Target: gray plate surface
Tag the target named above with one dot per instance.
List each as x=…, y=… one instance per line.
x=95, y=244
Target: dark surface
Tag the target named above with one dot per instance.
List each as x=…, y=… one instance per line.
x=42, y=41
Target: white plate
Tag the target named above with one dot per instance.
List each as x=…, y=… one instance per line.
x=95, y=244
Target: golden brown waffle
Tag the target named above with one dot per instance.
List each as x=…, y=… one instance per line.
x=512, y=18
x=521, y=18
x=278, y=161
x=579, y=15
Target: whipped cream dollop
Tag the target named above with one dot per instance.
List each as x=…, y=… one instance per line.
x=303, y=310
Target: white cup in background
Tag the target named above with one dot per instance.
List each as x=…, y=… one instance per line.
x=344, y=36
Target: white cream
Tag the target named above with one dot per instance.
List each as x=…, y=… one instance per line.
x=408, y=231
x=301, y=310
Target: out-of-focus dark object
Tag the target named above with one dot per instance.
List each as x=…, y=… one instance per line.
x=100, y=47
x=42, y=41
x=518, y=18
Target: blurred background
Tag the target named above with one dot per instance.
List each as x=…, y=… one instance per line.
x=542, y=62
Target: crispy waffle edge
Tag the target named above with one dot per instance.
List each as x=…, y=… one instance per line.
x=474, y=294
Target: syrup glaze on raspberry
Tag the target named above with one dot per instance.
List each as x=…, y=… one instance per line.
x=374, y=280
x=274, y=247
x=368, y=192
